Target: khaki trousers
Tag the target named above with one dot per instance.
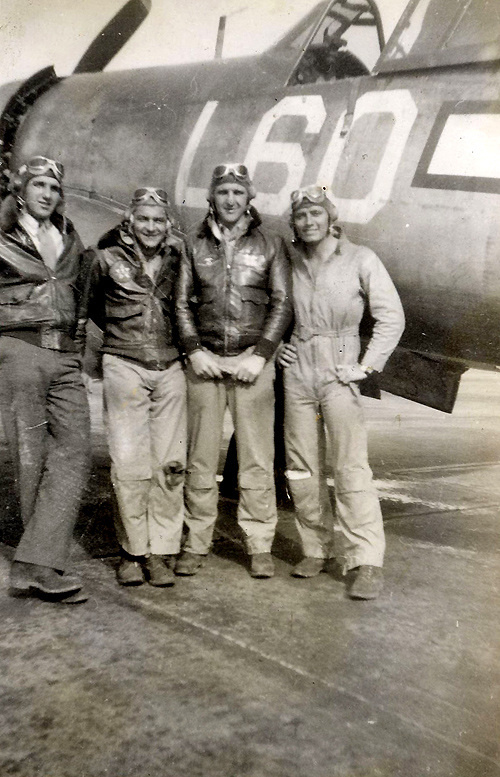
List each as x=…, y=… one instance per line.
x=252, y=411
x=145, y=417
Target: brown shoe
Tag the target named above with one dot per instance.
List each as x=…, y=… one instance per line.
x=157, y=572
x=129, y=572
x=28, y=578
x=308, y=567
x=189, y=563
x=261, y=565
x=368, y=583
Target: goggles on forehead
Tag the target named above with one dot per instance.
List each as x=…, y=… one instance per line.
x=150, y=193
x=315, y=194
x=239, y=171
x=40, y=165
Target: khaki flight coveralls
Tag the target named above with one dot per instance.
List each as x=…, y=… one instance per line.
x=328, y=309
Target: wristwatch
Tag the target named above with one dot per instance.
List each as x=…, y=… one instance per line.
x=367, y=370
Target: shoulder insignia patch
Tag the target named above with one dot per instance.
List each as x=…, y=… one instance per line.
x=121, y=271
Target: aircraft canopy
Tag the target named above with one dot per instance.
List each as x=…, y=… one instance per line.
x=435, y=33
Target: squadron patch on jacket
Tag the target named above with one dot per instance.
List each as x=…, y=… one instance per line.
x=121, y=271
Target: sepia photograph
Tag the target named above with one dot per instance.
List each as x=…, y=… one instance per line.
x=250, y=388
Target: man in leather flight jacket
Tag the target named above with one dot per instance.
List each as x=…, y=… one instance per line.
x=42, y=396
x=131, y=285
x=233, y=307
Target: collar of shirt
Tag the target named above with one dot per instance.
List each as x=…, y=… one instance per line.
x=230, y=235
x=32, y=226
x=309, y=269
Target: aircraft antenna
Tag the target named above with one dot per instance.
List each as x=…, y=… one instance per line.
x=219, y=45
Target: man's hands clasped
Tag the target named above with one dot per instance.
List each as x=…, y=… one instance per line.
x=205, y=364
x=246, y=367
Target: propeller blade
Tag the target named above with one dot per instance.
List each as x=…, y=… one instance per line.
x=114, y=36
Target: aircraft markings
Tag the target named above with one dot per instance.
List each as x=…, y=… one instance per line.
x=289, y=154
x=191, y=196
x=463, y=149
x=398, y=103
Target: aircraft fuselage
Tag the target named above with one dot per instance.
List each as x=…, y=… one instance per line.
x=396, y=151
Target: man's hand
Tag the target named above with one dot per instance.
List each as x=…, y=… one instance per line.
x=287, y=355
x=249, y=368
x=205, y=364
x=350, y=373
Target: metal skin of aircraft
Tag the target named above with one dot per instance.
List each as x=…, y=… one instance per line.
x=410, y=153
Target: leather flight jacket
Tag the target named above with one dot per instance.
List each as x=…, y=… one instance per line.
x=37, y=304
x=230, y=304
x=135, y=312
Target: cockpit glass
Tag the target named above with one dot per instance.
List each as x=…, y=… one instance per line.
x=440, y=32
x=411, y=32
x=480, y=22
x=343, y=41
x=300, y=41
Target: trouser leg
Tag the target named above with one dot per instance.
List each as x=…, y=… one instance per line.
x=131, y=521
x=206, y=405
x=168, y=441
x=359, y=517
x=48, y=532
x=66, y=471
x=126, y=406
x=24, y=383
x=305, y=450
x=252, y=408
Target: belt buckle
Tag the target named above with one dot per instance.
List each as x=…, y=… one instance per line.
x=50, y=338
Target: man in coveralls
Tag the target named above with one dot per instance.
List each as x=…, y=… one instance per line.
x=333, y=281
x=42, y=396
x=232, y=308
x=131, y=299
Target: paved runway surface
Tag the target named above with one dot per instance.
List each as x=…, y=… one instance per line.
x=226, y=676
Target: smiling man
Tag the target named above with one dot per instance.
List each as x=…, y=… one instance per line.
x=130, y=299
x=43, y=399
x=233, y=306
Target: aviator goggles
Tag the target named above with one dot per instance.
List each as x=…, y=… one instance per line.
x=239, y=171
x=40, y=165
x=150, y=193
x=315, y=194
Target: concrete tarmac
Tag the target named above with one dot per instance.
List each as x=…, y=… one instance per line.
x=226, y=676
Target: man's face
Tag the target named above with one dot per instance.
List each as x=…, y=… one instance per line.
x=149, y=225
x=41, y=196
x=311, y=223
x=230, y=201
